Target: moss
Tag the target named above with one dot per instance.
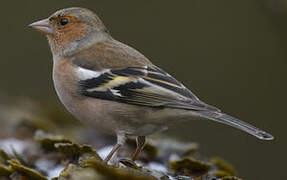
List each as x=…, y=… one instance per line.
x=190, y=164
x=118, y=173
x=25, y=171
x=85, y=174
x=20, y=158
x=190, y=167
x=223, y=166
x=129, y=163
x=221, y=174
x=58, y=143
x=230, y=178
x=67, y=171
x=72, y=172
x=4, y=157
x=5, y=171
x=48, y=141
x=74, y=151
x=191, y=150
x=86, y=164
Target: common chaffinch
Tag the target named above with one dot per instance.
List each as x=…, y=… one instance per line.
x=114, y=88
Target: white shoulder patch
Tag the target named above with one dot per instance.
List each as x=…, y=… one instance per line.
x=85, y=74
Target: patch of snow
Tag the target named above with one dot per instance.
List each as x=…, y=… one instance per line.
x=55, y=172
x=103, y=152
x=157, y=167
x=10, y=144
x=174, y=157
x=49, y=167
x=170, y=177
x=44, y=164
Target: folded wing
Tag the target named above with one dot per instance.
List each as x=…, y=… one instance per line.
x=146, y=86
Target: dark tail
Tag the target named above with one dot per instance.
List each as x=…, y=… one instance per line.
x=231, y=121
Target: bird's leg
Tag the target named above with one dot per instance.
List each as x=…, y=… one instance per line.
x=121, y=139
x=140, y=145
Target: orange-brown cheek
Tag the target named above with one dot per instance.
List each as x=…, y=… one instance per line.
x=75, y=31
x=70, y=33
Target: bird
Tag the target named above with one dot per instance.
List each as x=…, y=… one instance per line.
x=113, y=88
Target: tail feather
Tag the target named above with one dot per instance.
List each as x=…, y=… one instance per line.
x=234, y=122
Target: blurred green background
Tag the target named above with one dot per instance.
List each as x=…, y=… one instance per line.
x=232, y=54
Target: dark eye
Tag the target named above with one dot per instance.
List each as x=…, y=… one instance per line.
x=64, y=21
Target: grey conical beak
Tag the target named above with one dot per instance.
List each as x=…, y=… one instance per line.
x=43, y=26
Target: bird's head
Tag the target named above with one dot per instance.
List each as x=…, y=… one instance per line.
x=71, y=30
